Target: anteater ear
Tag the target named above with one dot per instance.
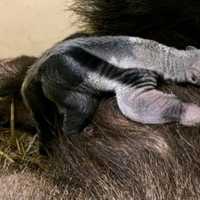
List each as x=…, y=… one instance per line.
x=190, y=48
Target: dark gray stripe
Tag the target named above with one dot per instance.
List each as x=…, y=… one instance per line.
x=130, y=77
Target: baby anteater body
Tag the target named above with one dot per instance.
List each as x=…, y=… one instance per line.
x=70, y=78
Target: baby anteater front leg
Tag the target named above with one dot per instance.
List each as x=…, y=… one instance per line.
x=155, y=107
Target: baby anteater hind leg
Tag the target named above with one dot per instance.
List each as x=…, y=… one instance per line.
x=77, y=117
x=43, y=112
x=77, y=105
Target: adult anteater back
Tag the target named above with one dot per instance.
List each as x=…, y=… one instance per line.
x=174, y=23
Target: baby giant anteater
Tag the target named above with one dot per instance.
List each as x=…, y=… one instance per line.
x=70, y=78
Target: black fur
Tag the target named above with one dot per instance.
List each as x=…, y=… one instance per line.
x=171, y=22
